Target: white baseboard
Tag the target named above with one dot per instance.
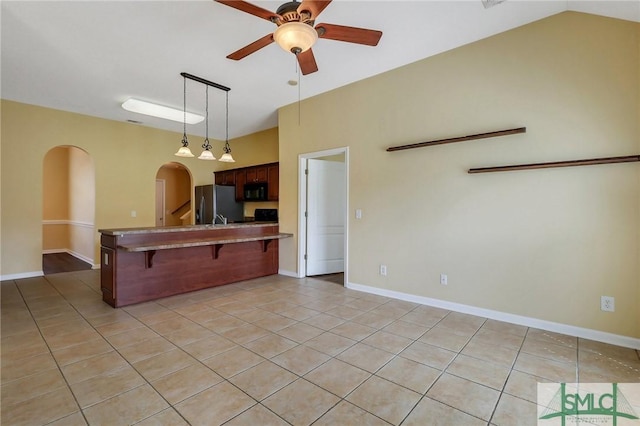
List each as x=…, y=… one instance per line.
x=586, y=333
x=288, y=273
x=21, y=275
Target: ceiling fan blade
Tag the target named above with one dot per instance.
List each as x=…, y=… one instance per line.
x=349, y=34
x=307, y=62
x=313, y=6
x=251, y=48
x=251, y=9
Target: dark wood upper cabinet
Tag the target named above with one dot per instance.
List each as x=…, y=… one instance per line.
x=226, y=177
x=268, y=173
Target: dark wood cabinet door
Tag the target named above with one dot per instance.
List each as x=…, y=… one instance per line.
x=241, y=178
x=273, y=182
x=257, y=174
x=227, y=178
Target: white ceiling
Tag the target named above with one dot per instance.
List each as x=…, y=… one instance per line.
x=90, y=56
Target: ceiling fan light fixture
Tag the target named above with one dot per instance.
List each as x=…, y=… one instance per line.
x=295, y=37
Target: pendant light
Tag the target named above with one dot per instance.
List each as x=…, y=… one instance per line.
x=184, y=151
x=206, y=154
x=226, y=157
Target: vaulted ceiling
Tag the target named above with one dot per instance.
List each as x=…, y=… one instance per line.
x=90, y=56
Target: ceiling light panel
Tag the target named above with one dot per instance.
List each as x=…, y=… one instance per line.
x=160, y=111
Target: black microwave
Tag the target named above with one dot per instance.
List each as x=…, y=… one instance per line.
x=255, y=191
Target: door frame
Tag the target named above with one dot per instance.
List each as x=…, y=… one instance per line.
x=302, y=207
x=162, y=201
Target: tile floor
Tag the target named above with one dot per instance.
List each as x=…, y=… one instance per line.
x=275, y=351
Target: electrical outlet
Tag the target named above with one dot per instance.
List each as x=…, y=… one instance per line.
x=607, y=303
x=134, y=213
x=383, y=270
x=358, y=213
x=443, y=279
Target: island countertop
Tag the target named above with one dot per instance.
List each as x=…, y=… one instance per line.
x=143, y=264
x=182, y=228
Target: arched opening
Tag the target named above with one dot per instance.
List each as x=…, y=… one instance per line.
x=68, y=210
x=173, y=195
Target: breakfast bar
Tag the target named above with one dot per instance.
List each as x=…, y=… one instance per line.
x=143, y=264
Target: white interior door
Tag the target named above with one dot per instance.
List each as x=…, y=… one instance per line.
x=160, y=202
x=326, y=194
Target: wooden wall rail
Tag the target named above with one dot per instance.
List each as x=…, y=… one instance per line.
x=570, y=163
x=459, y=139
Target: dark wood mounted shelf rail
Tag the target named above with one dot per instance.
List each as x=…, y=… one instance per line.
x=459, y=139
x=570, y=163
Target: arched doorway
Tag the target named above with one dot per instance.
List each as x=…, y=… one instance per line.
x=173, y=195
x=68, y=210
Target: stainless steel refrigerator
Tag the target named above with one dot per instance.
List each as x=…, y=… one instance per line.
x=213, y=200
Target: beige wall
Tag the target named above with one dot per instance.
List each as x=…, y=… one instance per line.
x=543, y=244
x=126, y=158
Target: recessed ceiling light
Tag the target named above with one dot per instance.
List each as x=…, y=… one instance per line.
x=160, y=111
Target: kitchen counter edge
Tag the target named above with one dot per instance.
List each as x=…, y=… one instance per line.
x=186, y=228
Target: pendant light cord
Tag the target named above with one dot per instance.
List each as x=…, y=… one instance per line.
x=184, y=103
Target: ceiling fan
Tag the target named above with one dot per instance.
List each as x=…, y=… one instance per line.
x=296, y=32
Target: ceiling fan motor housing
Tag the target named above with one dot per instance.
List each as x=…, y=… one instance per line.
x=289, y=13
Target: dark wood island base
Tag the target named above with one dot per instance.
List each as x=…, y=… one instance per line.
x=143, y=264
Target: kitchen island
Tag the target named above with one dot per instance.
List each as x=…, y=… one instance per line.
x=143, y=264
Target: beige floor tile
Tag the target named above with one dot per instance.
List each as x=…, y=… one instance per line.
x=425, y=316
x=611, y=351
x=233, y=361
x=523, y=385
x=208, y=347
x=301, y=402
x=300, y=332
x=257, y=415
x=374, y=319
x=23, y=345
x=182, y=384
x=215, y=405
x=434, y=413
x=545, y=349
x=245, y=334
x=163, y=364
x=324, y=321
x=31, y=386
x=388, y=342
x=40, y=410
x=277, y=306
x=500, y=355
x=146, y=349
x=429, y=355
x=172, y=325
x=345, y=312
x=512, y=411
x=353, y=330
x=164, y=418
x=505, y=327
x=107, y=385
x=119, y=325
x=161, y=315
x=263, y=379
x=384, y=399
x=270, y=345
x=410, y=374
x=346, y=413
x=330, y=344
x=190, y=334
x=300, y=360
x=127, y=408
x=94, y=366
x=597, y=367
x=366, y=357
x=551, y=337
x=552, y=370
x=462, y=322
x=338, y=377
x=82, y=351
x=464, y=395
x=75, y=419
x=130, y=337
x=274, y=322
x=482, y=372
x=494, y=338
x=445, y=338
x=13, y=369
x=299, y=313
x=406, y=329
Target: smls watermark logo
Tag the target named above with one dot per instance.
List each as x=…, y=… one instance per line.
x=588, y=404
